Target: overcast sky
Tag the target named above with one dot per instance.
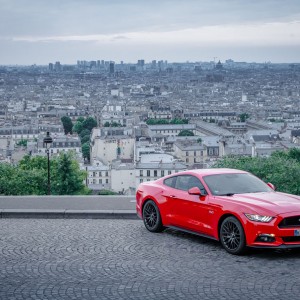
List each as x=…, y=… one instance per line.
x=43, y=31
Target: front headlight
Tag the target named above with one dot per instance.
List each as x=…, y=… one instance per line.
x=258, y=218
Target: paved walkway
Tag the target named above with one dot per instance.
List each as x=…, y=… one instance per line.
x=120, y=259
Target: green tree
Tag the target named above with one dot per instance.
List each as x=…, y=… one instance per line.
x=150, y=122
x=78, y=127
x=32, y=182
x=7, y=172
x=179, y=121
x=186, y=133
x=68, y=179
x=292, y=153
x=162, y=121
x=85, y=139
x=157, y=121
x=29, y=177
x=199, y=140
x=106, y=124
x=67, y=124
x=84, y=132
x=21, y=180
x=33, y=175
x=86, y=151
x=115, y=124
x=107, y=192
x=279, y=169
x=80, y=119
x=33, y=163
x=89, y=123
x=244, y=117
x=22, y=143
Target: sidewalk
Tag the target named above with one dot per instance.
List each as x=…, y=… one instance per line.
x=75, y=207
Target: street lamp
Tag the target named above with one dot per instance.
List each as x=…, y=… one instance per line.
x=47, y=145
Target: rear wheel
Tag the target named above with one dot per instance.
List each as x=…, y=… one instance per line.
x=232, y=236
x=151, y=217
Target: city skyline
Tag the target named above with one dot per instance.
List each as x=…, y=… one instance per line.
x=39, y=32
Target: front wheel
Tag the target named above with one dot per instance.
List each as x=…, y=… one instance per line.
x=232, y=236
x=151, y=217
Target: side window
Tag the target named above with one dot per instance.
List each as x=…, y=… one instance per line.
x=170, y=181
x=185, y=182
x=182, y=183
x=194, y=181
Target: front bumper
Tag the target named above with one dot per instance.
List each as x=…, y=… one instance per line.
x=283, y=238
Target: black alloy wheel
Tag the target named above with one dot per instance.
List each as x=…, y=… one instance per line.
x=232, y=236
x=151, y=217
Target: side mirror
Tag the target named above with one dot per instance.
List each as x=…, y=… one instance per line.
x=194, y=191
x=272, y=186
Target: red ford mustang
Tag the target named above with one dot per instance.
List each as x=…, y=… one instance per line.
x=229, y=205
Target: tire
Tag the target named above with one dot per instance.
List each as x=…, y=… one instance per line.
x=151, y=217
x=232, y=236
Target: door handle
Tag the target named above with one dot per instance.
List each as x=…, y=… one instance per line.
x=172, y=196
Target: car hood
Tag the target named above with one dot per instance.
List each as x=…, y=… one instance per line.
x=271, y=202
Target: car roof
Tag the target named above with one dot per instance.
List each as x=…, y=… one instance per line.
x=213, y=171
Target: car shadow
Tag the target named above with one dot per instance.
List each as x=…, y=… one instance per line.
x=272, y=253
x=264, y=253
x=194, y=237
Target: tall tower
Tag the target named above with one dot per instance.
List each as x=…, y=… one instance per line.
x=219, y=65
x=57, y=66
x=111, y=67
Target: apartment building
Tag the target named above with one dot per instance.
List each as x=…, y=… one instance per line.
x=111, y=147
x=190, y=151
x=170, y=129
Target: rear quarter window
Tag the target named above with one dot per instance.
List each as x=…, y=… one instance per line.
x=170, y=182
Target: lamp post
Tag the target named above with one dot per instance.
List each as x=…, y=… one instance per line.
x=47, y=145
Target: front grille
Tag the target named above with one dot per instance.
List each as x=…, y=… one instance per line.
x=290, y=222
x=291, y=239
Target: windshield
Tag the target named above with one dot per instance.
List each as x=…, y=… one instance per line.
x=230, y=184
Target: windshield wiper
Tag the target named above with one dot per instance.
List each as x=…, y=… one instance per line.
x=227, y=194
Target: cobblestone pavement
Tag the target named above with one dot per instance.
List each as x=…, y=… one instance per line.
x=120, y=259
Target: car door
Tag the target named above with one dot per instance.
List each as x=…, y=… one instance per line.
x=190, y=211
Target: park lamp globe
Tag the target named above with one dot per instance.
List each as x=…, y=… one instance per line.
x=47, y=140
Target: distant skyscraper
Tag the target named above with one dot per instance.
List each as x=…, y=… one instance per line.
x=57, y=66
x=50, y=66
x=160, y=64
x=111, y=67
x=141, y=62
x=93, y=64
x=153, y=64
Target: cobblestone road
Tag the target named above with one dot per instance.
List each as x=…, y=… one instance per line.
x=119, y=259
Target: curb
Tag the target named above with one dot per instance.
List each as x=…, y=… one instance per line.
x=67, y=214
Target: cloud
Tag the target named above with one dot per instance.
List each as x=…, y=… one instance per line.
x=255, y=34
x=89, y=17
x=119, y=38
x=43, y=30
